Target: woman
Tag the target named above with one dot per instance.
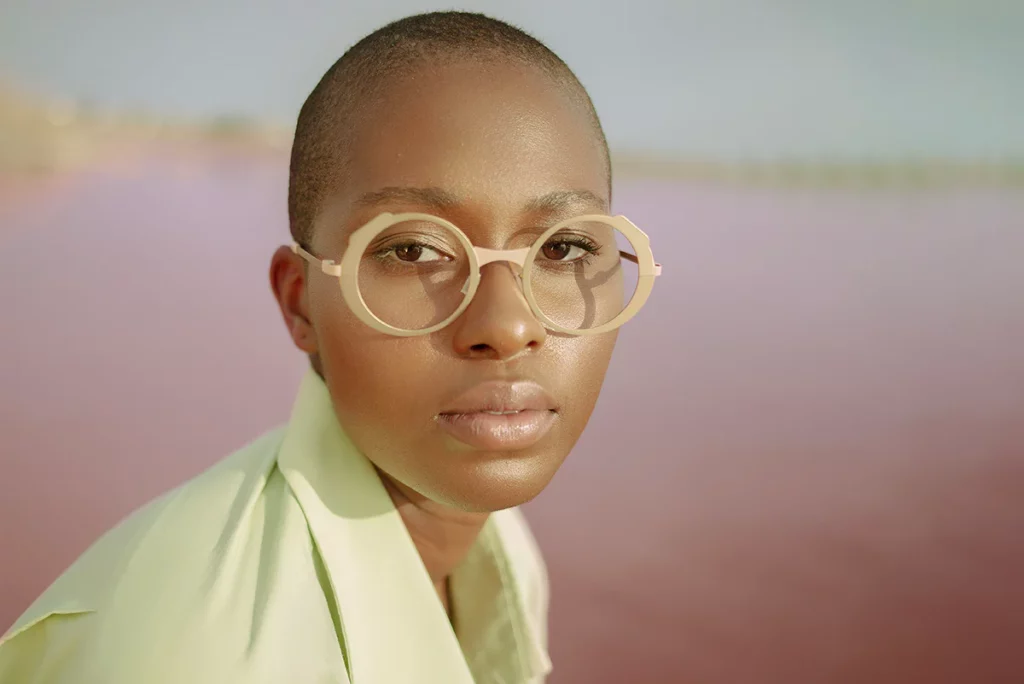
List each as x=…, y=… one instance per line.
x=457, y=282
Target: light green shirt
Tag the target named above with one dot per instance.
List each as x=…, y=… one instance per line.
x=285, y=562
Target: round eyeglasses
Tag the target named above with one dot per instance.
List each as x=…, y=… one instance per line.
x=413, y=274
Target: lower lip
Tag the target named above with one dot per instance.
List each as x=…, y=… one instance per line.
x=489, y=432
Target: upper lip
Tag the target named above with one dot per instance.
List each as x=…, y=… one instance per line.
x=502, y=396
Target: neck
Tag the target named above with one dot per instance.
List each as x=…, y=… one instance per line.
x=443, y=535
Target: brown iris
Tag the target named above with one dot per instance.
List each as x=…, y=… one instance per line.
x=409, y=252
x=556, y=251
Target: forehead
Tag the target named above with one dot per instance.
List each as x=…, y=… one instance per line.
x=498, y=136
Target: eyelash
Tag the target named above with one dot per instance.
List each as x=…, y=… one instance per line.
x=581, y=241
x=384, y=252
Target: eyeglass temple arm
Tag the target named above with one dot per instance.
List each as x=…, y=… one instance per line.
x=631, y=257
x=331, y=268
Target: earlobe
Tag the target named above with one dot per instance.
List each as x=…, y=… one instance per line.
x=303, y=335
x=299, y=325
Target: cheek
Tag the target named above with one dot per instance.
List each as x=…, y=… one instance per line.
x=375, y=380
x=575, y=367
x=379, y=380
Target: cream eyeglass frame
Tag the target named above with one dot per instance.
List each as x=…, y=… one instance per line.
x=347, y=270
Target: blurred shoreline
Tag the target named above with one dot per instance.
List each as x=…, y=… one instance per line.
x=43, y=136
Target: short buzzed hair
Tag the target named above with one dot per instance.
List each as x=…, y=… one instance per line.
x=396, y=49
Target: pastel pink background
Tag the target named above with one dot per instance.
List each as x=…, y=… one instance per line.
x=807, y=464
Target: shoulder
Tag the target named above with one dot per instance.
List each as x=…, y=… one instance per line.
x=144, y=571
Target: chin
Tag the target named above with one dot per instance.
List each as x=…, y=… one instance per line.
x=499, y=482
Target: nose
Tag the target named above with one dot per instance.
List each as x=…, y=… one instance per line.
x=498, y=324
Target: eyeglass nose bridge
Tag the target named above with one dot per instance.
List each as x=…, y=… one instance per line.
x=516, y=259
x=486, y=256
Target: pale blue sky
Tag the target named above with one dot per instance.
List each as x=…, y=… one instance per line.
x=721, y=78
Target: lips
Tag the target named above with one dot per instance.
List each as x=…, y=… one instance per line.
x=500, y=416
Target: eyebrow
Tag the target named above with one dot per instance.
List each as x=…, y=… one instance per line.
x=562, y=199
x=440, y=199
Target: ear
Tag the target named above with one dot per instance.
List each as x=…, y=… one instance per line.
x=289, y=284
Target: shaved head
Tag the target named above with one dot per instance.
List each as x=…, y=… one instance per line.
x=406, y=49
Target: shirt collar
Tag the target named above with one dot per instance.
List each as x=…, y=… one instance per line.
x=498, y=639
x=383, y=594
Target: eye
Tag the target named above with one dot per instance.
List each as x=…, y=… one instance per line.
x=568, y=249
x=413, y=253
x=417, y=253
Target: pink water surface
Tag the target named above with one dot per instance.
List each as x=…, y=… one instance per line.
x=807, y=465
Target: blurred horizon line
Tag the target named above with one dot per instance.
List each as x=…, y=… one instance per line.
x=40, y=135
